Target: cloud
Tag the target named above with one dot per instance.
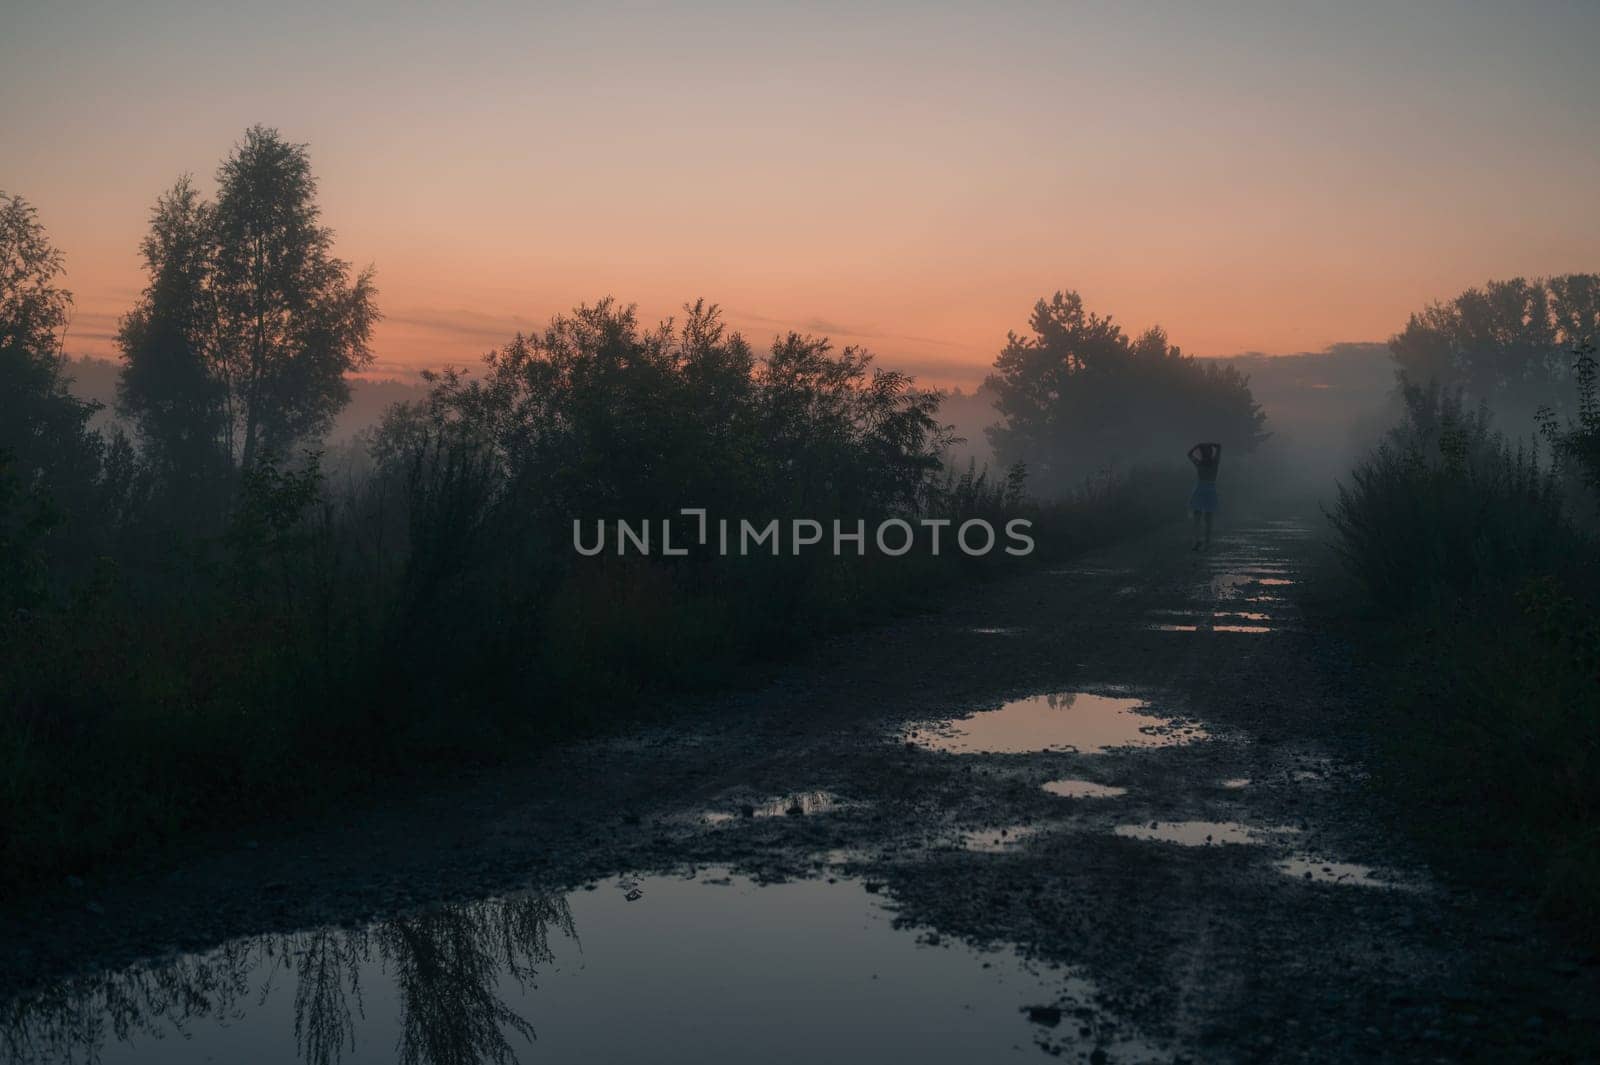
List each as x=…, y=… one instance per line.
x=833, y=328
x=460, y=323
x=96, y=329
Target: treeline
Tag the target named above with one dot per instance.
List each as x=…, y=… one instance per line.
x=206, y=620
x=1476, y=552
x=1508, y=345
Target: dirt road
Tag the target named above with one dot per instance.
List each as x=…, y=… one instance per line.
x=1111, y=811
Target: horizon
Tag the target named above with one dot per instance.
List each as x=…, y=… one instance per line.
x=936, y=532
x=1274, y=181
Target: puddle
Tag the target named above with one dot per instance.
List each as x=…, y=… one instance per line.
x=994, y=631
x=997, y=840
x=797, y=804
x=1201, y=833
x=1078, y=722
x=1212, y=615
x=1322, y=871
x=1235, y=783
x=1241, y=628
x=1083, y=789
x=1225, y=585
x=702, y=969
x=1175, y=628
x=1233, y=585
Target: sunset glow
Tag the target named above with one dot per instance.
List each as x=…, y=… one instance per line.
x=908, y=177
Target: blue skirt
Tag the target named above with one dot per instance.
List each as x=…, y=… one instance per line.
x=1203, y=499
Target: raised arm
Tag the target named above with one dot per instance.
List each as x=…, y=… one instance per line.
x=1194, y=454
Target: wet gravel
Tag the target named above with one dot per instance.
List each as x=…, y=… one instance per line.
x=1301, y=929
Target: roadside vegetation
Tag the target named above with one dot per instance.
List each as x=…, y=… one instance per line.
x=210, y=620
x=1475, y=554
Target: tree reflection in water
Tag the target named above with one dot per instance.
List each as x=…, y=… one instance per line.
x=446, y=966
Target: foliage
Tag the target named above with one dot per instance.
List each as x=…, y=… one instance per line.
x=1079, y=394
x=201, y=630
x=1503, y=344
x=1445, y=510
x=50, y=460
x=240, y=342
x=1487, y=594
x=1577, y=443
x=302, y=636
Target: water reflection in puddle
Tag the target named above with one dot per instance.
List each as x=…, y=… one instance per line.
x=993, y=630
x=1065, y=721
x=1201, y=833
x=1235, y=783
x=1323, y=871
x=997, y=840
x=703, y=969
x=1213, y=615
x=1083, y=789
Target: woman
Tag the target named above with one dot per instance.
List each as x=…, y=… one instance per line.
x=1203, y=500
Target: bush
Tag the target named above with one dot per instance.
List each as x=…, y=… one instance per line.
x=1486, y=592
x=434, y=610
x=1445, y=510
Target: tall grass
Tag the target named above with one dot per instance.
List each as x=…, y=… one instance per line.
x=426, y=606
x=1445, y=510
x=1486, y=593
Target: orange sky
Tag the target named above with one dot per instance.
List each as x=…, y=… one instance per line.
x=909, y=176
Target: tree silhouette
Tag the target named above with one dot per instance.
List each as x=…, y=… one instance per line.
x=1506, y=344
x=167, y=386
x=239, y=345
x=49, y=457
x=1079, y=395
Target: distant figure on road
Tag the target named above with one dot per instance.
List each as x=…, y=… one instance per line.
x=1203, y=500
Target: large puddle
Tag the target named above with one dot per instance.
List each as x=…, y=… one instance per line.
x=1082, y=789
x=1080, y=722
x=1203, y=833
x=707, y=968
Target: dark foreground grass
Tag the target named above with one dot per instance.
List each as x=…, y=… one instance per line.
x=133, y=728
x=1484, y=746
x=1471, y=587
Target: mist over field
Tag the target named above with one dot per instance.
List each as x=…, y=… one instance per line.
x=715, y=533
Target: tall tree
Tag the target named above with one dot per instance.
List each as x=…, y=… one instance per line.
x=167, y=385
x=240, y=344
x=49, y=457
x=44, y=429
x=1079, y=395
